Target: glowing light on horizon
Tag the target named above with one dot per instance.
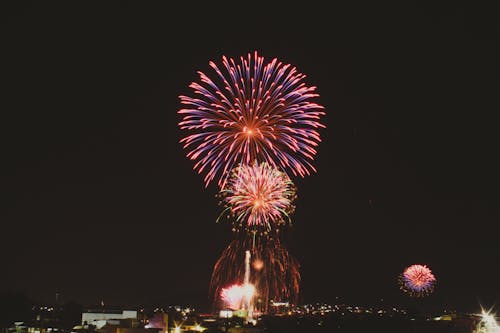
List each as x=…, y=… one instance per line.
x=199, y=328
x=488, y=323
x=258, y=196
x=250, y=111
x=417, y=280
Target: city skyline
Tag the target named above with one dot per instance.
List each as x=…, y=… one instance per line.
x=100, y=202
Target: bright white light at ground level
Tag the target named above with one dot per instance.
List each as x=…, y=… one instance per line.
x=488, y=323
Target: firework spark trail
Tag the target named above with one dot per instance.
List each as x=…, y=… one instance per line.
x=249, y=289
x=277, y=277
x=247, y=267
x=251, y=111
x=258, y=196
x=417, y=280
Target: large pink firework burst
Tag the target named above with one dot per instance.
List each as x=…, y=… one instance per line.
x=249, y=111
x=417, y=280
x=258, y=196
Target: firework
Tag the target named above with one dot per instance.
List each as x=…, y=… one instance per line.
x=258, y=264
x=417, y=280
x=234, y=296
x=258, y=196
x=251, y=111
x=277, y=279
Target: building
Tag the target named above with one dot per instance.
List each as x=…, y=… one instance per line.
x=99, y=318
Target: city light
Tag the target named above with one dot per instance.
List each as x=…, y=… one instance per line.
x=488, y=323
x=225, y=313
x=199, y=328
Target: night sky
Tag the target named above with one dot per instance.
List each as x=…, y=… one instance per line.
x=99, y=201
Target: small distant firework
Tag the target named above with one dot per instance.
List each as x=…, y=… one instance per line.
x=251, y=111
x=417, y=281
x=234, y=296
x=258, y=196
x=278, y=279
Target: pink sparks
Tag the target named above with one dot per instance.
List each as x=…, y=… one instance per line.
x=417, y=280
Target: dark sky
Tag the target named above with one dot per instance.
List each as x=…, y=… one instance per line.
x=100, y=202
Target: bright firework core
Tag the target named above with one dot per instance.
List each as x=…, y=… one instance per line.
x=250, y=111
x=236, y=296
x=258, y=196
x=248, y=131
